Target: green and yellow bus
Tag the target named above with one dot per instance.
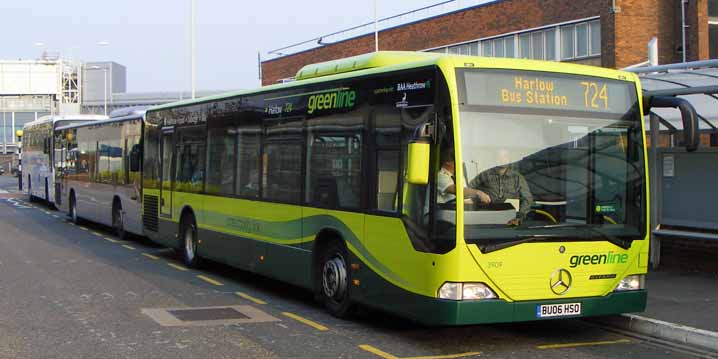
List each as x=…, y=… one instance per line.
x=337, y=183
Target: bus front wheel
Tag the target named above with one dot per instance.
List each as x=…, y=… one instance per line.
x=73, y=209
x=188, y=241
x=335, y=279
x=118, y=221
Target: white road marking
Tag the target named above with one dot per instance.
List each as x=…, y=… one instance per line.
x=15, y=203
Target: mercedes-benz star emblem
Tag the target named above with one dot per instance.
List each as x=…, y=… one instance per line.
x=560, y=281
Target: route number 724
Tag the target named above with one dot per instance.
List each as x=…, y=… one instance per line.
x=593, y=94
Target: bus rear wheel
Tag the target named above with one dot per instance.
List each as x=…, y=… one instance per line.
x=118, y=221
x=335, y=279
x=188, y=241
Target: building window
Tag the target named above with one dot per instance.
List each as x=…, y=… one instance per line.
x=550, y=44
x=595, y=38
x=582, y=40
x=525, y=46
x=499, y=48
x=509, y=43
x=464, y=49
x=537, y=45
x=567, y=42
x=487, y=48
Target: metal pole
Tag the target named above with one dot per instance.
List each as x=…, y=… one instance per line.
x=104, y=70
x=4, y=136
x=654, y=180
x=192, y=49
x=376, y=28
x=259, y=67
x=653, y=52
x=683, y=27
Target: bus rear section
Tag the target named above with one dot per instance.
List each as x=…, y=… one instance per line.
x=98, y=172
x=38, y=162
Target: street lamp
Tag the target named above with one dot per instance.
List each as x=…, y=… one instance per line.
x=104, y=70
x=193, y=58
x=4, y=138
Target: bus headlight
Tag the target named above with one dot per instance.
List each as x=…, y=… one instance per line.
x=631, y=282
x=466, y=291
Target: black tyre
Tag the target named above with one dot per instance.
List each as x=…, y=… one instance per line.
x=118, y=221
x=188, y=241
x=74, y=217
x=29, y=188
x=335, y=279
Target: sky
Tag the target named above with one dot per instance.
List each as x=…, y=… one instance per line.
x=152, y=37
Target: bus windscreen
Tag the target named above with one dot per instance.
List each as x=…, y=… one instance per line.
x=551, y=157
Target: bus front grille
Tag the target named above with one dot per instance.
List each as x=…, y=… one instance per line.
x=151, y=212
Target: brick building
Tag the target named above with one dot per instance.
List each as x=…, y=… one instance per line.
x=609, y=33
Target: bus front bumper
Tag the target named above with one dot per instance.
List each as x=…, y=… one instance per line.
x=447, y=312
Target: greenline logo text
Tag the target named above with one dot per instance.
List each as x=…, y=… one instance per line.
x=608, y=258
x=332, y=100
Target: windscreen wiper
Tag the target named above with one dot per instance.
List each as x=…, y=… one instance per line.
x=538, y=237
x=623, y=243
x=522, y=238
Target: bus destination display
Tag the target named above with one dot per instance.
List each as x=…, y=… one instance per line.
x=547, y=91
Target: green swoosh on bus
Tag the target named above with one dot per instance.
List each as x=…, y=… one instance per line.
x=297, y=231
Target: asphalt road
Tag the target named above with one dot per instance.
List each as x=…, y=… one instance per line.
x=71, y=291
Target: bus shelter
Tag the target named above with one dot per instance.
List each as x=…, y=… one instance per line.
x=683, y=184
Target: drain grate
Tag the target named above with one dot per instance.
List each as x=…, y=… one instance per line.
x=204, y=316
x=193, y=315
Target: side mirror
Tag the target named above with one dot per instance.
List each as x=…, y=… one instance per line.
x=420, y=154
x=135, y=158
x=688, y=115
x=418, y=166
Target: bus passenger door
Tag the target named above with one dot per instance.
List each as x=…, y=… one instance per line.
x=166, y=177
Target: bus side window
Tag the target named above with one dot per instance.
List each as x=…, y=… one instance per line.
x=220, y=164
x=334, y=151
x=416, y=198
x=282, y=160
x=387, y=179
x=191, y=152
x=248, y=155
x=386, y=133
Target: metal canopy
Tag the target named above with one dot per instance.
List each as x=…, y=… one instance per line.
x=696, y=82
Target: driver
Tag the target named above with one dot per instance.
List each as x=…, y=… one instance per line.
x=503, y=183
x=446, y=184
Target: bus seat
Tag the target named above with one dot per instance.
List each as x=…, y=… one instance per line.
x=325, y=192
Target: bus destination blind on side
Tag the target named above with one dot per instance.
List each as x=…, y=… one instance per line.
x=540, y=90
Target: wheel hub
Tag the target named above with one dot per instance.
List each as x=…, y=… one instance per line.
x=189, y=244
x=334, y=277
x=119, y=220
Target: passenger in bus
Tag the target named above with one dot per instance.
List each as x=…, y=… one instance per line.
x=252, y=186
x=504, y=184
x=446, y=182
